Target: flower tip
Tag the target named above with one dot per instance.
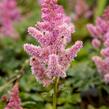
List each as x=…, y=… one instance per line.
x=32, y=60
x=30, y=29
x=25, y=46
x=105, y=52
x=96, y=43
x=79, y=44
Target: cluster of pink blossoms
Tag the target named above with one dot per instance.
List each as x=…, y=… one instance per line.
x=14, y=102
x=82, y=9
x=51, y=59
x=8, y=14
x=100, y=33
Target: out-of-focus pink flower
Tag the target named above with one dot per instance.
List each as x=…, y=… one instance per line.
x=100, y=29
x=14, y=101
x=106, y=36
x=82, y=9
x=93, y=30
x=106, y=14
x=96, y=43
x=8, y=16
x=102, y=26
x=106, y=43
x=102, y=65
x=100, y=32
x=105, y=52
x=98, y=62
x=40, y=1
x=53, y=33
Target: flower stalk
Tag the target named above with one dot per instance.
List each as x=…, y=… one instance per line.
x=55, y=93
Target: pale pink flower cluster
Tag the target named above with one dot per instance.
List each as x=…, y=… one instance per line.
x=14, y=101
x=9, y=13
x=82, y=9
x=53, y=32
x=100, y=33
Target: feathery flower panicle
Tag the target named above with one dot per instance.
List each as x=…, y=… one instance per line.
x=100, y=34
x=8, y=15
x=14, y=101
x=53, y=32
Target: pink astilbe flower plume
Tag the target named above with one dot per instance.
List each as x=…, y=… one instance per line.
x=9, y=14
x=100, y=34
x=53, y=32
x=70, y=54
x=14, y=101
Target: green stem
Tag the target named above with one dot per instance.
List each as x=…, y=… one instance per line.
x=55, y=93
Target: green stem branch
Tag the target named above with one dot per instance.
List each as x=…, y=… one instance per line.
x=55, y=93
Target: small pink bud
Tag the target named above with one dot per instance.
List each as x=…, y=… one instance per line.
x=96, y=43
x=92, y=30
x=102, y=65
